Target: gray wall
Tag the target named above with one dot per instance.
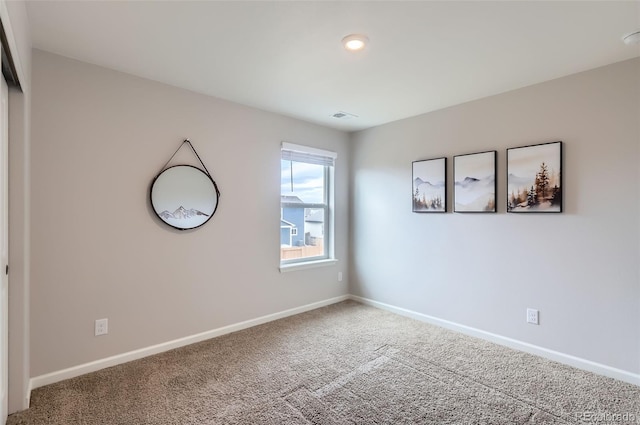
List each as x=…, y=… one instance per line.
x=16, y=24
x=98, y=139
x=579, y=268
x=100, y=136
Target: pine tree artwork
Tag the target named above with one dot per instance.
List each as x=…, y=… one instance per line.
x=429, y=185
x=534, y=178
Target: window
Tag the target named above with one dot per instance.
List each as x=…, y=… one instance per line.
x=306, y=215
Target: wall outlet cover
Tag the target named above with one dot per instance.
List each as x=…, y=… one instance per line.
x=102, y=327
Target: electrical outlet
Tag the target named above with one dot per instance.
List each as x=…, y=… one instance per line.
x=102, y=327
x=339, y=276
x=532, y=316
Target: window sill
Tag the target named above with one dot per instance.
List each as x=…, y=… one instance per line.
x=307, y=265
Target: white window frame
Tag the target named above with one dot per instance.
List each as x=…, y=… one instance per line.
x=328, y=258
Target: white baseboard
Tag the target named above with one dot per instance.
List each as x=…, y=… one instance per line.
x=577, y=362
x=96, y=365
x=29, y=389
x=567, y=359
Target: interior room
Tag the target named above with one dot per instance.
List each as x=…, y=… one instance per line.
x=405, y=288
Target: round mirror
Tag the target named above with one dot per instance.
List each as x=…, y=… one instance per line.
x=184, y=197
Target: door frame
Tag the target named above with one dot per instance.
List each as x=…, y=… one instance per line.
x=4, y=249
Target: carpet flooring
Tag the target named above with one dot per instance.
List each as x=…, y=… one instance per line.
x=342, y=364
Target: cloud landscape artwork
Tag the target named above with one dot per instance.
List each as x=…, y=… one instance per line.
x=474, y=184
x=534, y=178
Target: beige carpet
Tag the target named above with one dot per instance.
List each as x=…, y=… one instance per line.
x=342, y=364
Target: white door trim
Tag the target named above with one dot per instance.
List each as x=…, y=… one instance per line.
x=4, y=249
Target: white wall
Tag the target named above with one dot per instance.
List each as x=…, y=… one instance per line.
x=579, y=268
x=98, y=139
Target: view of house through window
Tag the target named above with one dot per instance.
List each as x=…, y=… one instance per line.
x=305, y=185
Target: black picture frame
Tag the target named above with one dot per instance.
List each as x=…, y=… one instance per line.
x=535, y=178
x=184, y=197
x=429, y=185
x=474, y=182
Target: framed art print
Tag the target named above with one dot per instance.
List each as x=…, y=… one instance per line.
x=184, y=197
x=474, y=182
x=534, y=179
x=430, y=185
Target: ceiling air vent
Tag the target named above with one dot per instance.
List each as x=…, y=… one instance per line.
x=341, y=115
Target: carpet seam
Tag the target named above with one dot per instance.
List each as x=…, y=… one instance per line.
x=468, y=378
x=296, y=409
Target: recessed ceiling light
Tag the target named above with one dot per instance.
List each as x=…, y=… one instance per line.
x=355, y=42
x=633, y=38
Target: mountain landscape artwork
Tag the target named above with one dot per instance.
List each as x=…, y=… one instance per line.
x=534, y=178
x=184, y=197
x=474, y=185
x=181, y=213
x=429, y=185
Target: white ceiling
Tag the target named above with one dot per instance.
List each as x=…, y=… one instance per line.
x=286, y=57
